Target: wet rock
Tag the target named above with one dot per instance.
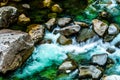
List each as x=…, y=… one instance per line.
x=82, y=24
x=26, y=6
x=108, y=38
x=36, y=31
x=85, y=34
x=22, y=19
x=89, y=72
x=50, y=24
x=99, y=59
x=117, y=44
x=110, y=50
x=49, y=41
x=63, y=40
x=113, y=29
x=69, y=30
x=47, y=3
x=112, y=77
x=67, y=66
x=7, y=16
x=56, y=8
x=99, y=27
x=63, y=21
x=15, y=48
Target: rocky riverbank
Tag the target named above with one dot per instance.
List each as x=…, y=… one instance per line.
x=46, y=40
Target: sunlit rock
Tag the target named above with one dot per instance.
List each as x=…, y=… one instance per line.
x=89, y=72
x=56, y=8
x=82, y=24
x=3, y=2
x=69, y=30
x=99, y=27
x=36, y=31
x=50, y=24
x=15, y=48
x=7, y=15
x=63, y=40
x=22, y=19
x=47, y=3
x=85, y=34
x=68, y=66
x=63, y=21
x=99, y=59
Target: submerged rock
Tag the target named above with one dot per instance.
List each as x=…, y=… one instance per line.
x=99, y=59
x=68, y=66
x=7, y=15
x=63, y=40
x=69, y=30
x=99, y=27
x=15, y=48
x=87, y=72
x=50, y=24
x=63, y=21
x=56, y=8
x=85, y=34
x=36, y=31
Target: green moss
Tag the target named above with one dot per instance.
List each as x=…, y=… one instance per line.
x=117, y=19
x=1, y=78
x=49, y=73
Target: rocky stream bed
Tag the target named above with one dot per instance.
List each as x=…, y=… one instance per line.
x=59, y=40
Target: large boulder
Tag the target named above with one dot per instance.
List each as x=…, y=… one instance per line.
x=87, y=72
x=69, y=30
x=99, y=27
x=99, y=59
x=85, y=34
x=7, y=15
x=15, y=48
x=36, y=31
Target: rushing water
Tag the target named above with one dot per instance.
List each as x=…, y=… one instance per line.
x=46, y=55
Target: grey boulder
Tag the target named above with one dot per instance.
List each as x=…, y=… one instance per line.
x=15, y=48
